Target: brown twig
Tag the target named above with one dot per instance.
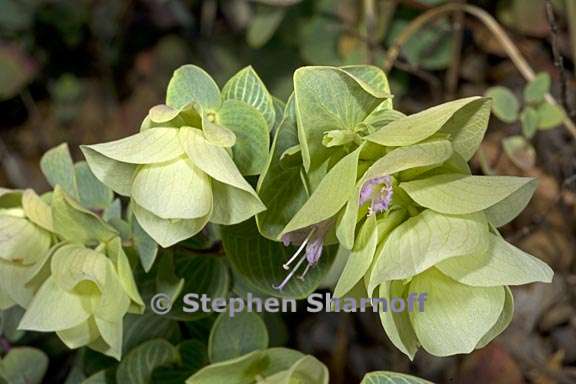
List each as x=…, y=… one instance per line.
x=511, y=49
x=453, y=72
x=558, y=59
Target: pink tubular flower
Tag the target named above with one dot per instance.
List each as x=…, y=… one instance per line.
x=379, y=192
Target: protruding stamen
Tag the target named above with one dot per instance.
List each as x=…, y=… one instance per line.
x=286, y=265
x=301, y=277
x=290, y=275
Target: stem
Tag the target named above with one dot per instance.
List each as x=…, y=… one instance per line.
x=513, y=53
x=558, y=59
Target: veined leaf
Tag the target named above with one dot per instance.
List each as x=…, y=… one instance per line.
x=118, y=176
x=503, y=212
x=137, y=366
x=425, y=240
x=246, y=86
x=397, y=324
x=233, y=337
x=456, y=316
x=252, y=138
x=93, y=193
x=503, y=321
x=327, y=98
x=501, y=264
x=58, y=167
x=155, y=145
x=372, y=79
x=192, y=84
x=260, y=261
x=280, y=185
x=462, y=194
x=24, y=365
x=330, y=195
x=417, y=127
x=173, y=190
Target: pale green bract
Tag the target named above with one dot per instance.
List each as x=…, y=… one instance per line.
x=343, y=168
x=184, y=169
x=397, y=192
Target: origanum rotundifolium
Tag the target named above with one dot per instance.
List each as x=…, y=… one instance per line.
x=334, y=166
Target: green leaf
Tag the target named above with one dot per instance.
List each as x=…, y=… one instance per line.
x=264, y=23
x=520, y=151
x=327, y=99
x=145, y=245
x=202, y=274
x=501, y=264
x=151, y=146
x=468, y=126
x=167, y=232
x=102, y=377
x=504, y=104
x=24, y=365
x=192, y=84
x=280, y=185
x=505, y=211
x=76, y=224
x=118, y=176
x=537, y=89
x=550, y=116
x=425, y=240
x=138, y=365
x=141, y=328
x=372, y=79
x=250, y=152
x=58, y=167
x=93, y=194
x=307, y=370
x=247, y=86
x=360, y=258
x=503, y=321
x=233, y=337
x=383, y=377
x=419, y=126
x=461, y=194
x=246, y=369
x=260, y=262
x=330, y=195
x=173, y=190
x=456, y=316
x=529, y=119
x=22, y=241
x=397, y=324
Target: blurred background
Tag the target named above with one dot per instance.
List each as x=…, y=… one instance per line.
x=87, y=71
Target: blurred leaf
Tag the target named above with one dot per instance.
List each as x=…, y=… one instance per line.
x=529, y=119
x=520, y=151
x=17, y=15
x=166, y=280
x=535, y=91
x=429, y=48
x=264, y=23
x=549, y=116
x=138, y=365
x=9, y=320
x=505, y=105
x=319, y=41
x=58, y=167
x=93, y=194
x=24, y=365
x=233, y=337
x=16, y=69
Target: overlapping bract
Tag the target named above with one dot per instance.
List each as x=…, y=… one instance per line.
x=184, y=168
x=401, y=198
x=25, y=245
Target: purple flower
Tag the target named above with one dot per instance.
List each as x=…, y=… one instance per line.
x=379, y=192
x=311, y=240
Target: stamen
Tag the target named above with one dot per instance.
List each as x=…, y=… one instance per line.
x=290, y=275
x=301, y=277
x=286, y=265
